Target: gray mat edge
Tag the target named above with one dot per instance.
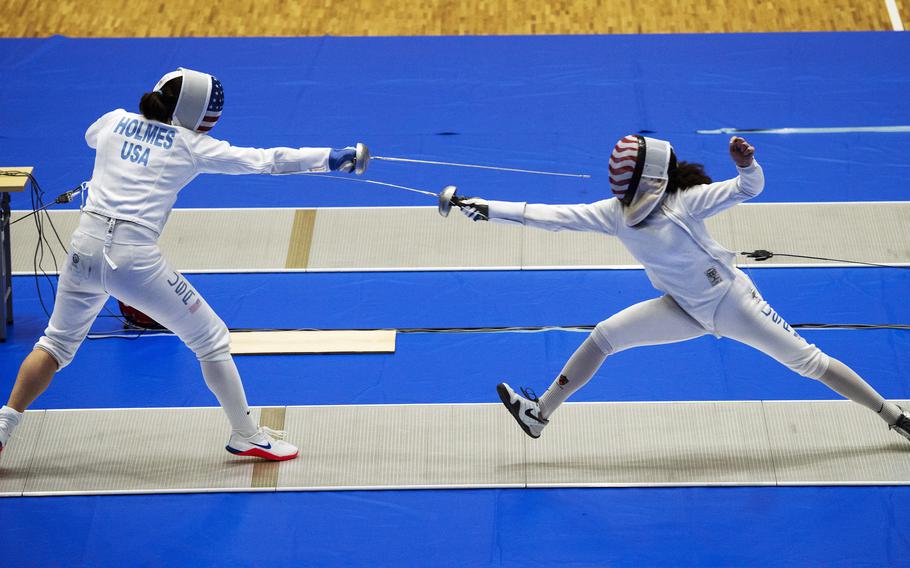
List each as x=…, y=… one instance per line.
x=496, y=404
x=743, y=265
x=319, y=488
x=31, y=453
x=525, y=485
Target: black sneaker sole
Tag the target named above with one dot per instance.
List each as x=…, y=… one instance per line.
x=513, y=410
x=902, y=426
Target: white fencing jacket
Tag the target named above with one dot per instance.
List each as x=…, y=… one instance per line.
x=679, y=256
x=141, y=165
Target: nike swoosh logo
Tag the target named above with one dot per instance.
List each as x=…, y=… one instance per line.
x=267, y=447
x=531, y=414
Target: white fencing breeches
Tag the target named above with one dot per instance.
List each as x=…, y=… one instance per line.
x=741, y=315
x=123, y=259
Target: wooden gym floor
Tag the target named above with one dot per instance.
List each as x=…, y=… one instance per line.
x=120, y=18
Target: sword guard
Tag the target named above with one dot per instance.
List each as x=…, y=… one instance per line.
x=361, y=158
x=447, y=198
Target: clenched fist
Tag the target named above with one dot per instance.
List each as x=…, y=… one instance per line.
x=741, y=151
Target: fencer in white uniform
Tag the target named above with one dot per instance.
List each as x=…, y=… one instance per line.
x=142, y=161
x=659, y=213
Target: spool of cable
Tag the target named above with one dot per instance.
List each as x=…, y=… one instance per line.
x=136, y=319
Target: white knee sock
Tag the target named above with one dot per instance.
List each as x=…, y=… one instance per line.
x=223, y=380
x=841, y=379
x=579, y=369
x=9, y=419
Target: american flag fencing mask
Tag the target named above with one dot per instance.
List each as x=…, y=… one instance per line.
x=200, y=102
x=626, y=163
x=639, y=173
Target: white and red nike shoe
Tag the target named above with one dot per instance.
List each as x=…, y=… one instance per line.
x=266, y=443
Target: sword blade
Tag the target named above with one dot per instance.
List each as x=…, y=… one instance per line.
x=477, y=166
x=382, y=183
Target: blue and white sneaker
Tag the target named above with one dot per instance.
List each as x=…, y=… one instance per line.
x=266, y=443
x=525, y=409
x=902, y=426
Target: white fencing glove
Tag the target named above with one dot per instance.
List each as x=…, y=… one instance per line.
x=474, y=208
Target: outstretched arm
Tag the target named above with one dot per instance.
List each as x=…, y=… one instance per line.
x=599, y=216
x=711, y=199
x=217, y=156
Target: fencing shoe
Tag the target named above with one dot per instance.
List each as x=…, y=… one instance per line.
x=525, y=409
x=902, y=426
x=266, y=443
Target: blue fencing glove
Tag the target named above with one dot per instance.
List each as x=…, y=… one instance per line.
x=343, y=160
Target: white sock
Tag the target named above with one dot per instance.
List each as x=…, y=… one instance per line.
x=9, y=419
x=579, y=369
x=223, y=380
x=844, y=381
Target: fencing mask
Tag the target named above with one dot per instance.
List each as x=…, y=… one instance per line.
x=200, y=102
x=639, y=173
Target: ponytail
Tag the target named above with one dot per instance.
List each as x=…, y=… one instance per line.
x=685, y=175
x=159, y=105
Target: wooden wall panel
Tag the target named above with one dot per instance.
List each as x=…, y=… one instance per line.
x=120, y=18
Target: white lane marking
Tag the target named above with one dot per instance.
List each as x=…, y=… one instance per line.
x=827, y=130
x=895, y=15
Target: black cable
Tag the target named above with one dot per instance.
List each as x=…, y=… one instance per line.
x=64, y=197
x=762, y=255
x=852, y=326
x=110, y=335
x=39, y=208
x=506, y=329
x=37, y=198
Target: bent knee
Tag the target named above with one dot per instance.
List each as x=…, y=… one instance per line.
x=214, y=344
x=812, y=363
x=601, y=336
x=61, y=352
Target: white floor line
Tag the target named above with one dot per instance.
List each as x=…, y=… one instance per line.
x=16, y=212
x=896, y=23
x=823, y=130
x=493, y=404
x=398, y=269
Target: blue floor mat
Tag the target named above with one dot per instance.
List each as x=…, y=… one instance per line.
x=546, y=102
x=541, y=102
x=494, y=298
x=757, y=526
x=465, y=367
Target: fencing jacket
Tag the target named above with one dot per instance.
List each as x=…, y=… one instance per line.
x=679, y=256
x=141, y=165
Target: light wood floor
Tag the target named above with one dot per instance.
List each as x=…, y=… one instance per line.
x=121, y=18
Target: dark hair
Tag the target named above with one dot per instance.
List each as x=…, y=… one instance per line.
x=684, y=175
x=159, y=105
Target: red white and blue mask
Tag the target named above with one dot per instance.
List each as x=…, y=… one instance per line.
x=200, y=102
x=639, y=175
